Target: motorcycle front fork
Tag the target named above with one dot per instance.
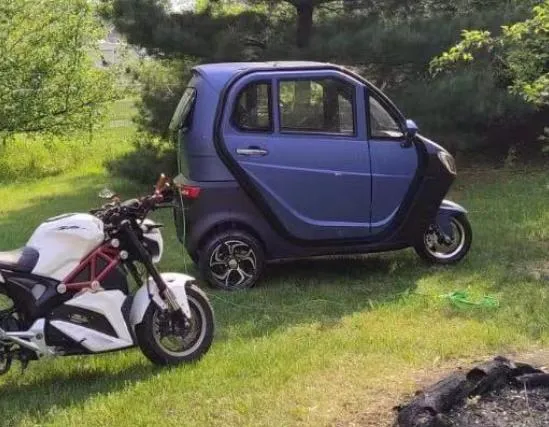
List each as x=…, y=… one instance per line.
x=167, y=295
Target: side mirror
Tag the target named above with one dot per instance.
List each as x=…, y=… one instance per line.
x=411, y=131
x=411, y=128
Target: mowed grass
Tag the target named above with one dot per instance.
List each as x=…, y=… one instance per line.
x=330, y=341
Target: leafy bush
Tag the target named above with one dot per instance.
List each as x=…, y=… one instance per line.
x=48, y=81
x=466, y=111
x=389, y=42
x=152, y=155
x=161, y=85
x=521, y=51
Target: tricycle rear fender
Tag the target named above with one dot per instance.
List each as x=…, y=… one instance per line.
x=446, y=212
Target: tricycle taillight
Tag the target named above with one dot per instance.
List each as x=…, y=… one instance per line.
x=190, y=191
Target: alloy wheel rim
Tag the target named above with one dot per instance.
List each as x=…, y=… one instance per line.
x=182, y=341
x=233, y=264
x=443, y=250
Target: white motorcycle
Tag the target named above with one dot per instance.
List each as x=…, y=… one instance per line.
x=67, y=291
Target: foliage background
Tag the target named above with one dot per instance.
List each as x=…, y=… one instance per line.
x=473, y=109
x=484, y=98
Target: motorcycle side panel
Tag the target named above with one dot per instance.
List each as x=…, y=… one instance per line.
x=175, y=281
x=63, y=241
x=90, y=339
x=90, y=332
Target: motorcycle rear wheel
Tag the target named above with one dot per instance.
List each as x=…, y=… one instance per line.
x=165, y=341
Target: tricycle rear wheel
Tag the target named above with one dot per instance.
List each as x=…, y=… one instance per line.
x=436, y=248
x=231, y=260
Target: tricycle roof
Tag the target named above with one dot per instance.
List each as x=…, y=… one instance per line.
x=218, y=74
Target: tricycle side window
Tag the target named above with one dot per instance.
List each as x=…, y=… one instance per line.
x=381, y=123
x=317, y=105
x=252, y=109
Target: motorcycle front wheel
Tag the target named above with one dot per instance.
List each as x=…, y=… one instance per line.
x=165, y=340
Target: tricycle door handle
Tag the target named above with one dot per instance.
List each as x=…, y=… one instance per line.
x=251, y=151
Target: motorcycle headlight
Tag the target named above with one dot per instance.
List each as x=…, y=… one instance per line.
x=448, y=161
x=153, y=242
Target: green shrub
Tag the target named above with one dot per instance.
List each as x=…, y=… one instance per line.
x=468, y=110
x=151, y=156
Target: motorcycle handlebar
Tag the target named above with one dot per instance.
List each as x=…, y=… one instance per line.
x=137, y=208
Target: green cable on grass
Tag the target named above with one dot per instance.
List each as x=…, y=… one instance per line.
x=461, y=299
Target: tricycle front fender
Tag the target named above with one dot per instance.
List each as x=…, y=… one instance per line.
x=446, y=212
x=175, y=281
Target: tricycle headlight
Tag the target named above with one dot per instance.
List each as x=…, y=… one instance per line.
x=448, y=161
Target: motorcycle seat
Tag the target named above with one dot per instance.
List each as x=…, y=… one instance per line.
x=22, y=260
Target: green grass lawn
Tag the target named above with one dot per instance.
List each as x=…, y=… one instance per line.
x=330, y=341
x=27, y=157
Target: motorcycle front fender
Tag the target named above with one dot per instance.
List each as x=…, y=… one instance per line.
x=175, y=281
x=446, y=212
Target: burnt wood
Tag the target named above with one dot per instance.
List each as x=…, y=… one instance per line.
x=428, y=407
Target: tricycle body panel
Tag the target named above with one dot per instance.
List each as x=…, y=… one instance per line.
x=446, y=212
x=318, y=185
x=305, y=193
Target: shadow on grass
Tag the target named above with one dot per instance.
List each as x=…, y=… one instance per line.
x=319, y=291
x=59, y=390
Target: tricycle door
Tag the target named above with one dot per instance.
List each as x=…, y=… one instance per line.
x=394, y=163
x=300, y=149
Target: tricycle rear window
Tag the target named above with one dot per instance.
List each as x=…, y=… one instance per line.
x=181, y=114
x=252, y=111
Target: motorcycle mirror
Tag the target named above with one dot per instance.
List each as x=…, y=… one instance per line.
x=106, y=193
x=161, y=183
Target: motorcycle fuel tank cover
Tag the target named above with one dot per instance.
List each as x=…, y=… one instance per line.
x=63, y=241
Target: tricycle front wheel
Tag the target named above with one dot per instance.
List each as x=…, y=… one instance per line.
x=436, y=247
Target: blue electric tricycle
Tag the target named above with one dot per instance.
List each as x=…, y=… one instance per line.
x=299, y=159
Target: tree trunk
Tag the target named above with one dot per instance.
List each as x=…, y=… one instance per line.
x=304, y=24
x=348, y=5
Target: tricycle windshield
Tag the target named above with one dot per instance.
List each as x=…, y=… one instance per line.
x=184, y=107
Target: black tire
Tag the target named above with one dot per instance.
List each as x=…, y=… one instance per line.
x=231, y=260
x=465, y=237
x=202, y=323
